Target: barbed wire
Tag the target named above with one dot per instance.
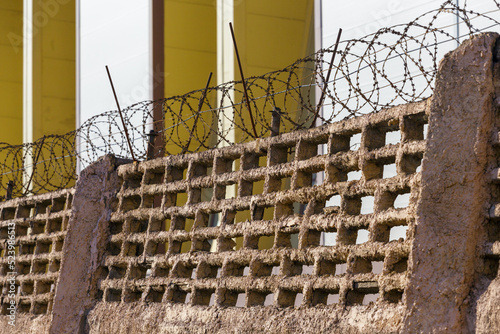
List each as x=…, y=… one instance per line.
x=392, y=66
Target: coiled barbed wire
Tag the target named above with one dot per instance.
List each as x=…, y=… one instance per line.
x=362, y=81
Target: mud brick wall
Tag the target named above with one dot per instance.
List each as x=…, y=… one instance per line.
x=164, y=250
x=40, y=229
x=384, y=223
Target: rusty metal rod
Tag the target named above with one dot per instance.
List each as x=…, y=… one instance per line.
x=10, y=189
x=204, y=95
x=243, y=80
x=34, y=165
x=323, y=91
x=150, y=154
x=200, y=105
x=275, y=123
x=121, y=115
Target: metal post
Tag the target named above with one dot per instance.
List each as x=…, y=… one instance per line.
x=275, y=123
x=243, y=81
x=323, y=92
x=10, y=188
x=121, y=115
x=151, y=145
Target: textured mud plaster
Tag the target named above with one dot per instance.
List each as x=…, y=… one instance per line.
x=454, y=193
x=486, y=313
x=82, y=251
x=178, y=318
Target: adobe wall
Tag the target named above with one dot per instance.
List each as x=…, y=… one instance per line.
x=310, y=241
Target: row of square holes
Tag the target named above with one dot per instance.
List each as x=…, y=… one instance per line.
x=40, y=307
x=281, y=154
x=53, y=225
x=206, y=271
x=255, y=269
x=30, y=287
x=157, y=246
x=248, y=188
x=38, y=267
x=363, y=205
x=36, y=247
x=30, y=211
x=287, y=298
x=180, y=199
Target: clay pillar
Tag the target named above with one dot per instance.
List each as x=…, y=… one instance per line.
x=84, y=246
x=454, y=194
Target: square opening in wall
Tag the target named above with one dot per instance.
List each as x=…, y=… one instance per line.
x=390, y=171
x=207, y=194
x=117, y=271
x=40, y=308
x=139, y=271
x=131, y=203
x=58, y=204
x=362, y=237
x=354, y=175
x=43, y=287
x=318, y=178
x=114, y=247
x=113, y=295
x=377, y=267
x=332, y=204
x=133, y=249
x=340, y=269
x=299, y=208
x=258, y=187
x=402, y=201
x=266, y=242
x=231, y=191
x=394, y=296
x=355, y=142
x=155, y=294
x=242, y=215
x=115, y=227
x=44, y=247
x=154, y=176
x=393, y=137
x=238, y=241
x=154, y=248
x=325, y=296
x=367, y=204
x=40, y=267
x=229, y=297
x=398, y=232
x=203, y=297
x=161, y=270
x=181, y=199
x=138, y=226
x=287, y=298
x=329, y=238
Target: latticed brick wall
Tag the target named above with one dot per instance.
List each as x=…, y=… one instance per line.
x=268, y=247
x=34, y=228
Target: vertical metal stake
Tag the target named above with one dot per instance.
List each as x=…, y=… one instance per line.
x=243, y=80
x=121, y=115
x=275, y=123
x=323, y=92
x=10, y=188
x=200, y=105
x=151, y=145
